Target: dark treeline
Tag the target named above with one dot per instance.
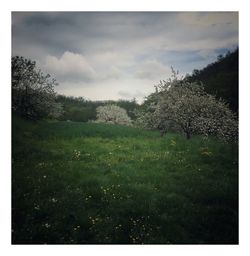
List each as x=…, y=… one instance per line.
x=82, y=110
x=221, y=78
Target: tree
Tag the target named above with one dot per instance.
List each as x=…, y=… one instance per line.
x=187, y=105
x=33, y=95
x=112, y=114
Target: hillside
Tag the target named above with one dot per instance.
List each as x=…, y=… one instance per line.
x=221, y=78
x=91, y=183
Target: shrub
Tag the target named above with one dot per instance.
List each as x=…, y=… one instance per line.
x=112, y=114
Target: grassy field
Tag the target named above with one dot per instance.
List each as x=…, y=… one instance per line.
x=104, y=184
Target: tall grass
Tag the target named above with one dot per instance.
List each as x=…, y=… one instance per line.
x=96, y=183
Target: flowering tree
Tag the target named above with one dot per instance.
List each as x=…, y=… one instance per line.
x=112, y=114
x=188, y=106
x=33, y=95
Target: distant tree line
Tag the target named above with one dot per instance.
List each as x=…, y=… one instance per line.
x=82, y=110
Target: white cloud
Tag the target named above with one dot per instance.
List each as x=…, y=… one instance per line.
x=113, y=73
x=112, y=64
x=152, y=69
x=71, y=66
x=130, y=95
x=109, y=89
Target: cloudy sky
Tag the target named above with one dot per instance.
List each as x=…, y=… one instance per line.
x=112, y=55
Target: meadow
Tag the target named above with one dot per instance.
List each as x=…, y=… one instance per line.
x=87, y=183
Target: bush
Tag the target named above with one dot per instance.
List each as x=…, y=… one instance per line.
x=113, y=114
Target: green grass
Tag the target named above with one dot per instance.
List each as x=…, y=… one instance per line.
x=100, y=184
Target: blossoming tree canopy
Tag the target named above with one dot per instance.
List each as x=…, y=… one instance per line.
x=33, y=95
x=112, y=114
x=188, y=106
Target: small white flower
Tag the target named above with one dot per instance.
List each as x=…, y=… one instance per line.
x=37, y=207
x=47, y=225
x=54, y=200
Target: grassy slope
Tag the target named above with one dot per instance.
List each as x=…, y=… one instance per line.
x=93, y=183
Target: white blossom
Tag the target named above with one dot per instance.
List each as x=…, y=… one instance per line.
x=112, y=114
x=188, y=107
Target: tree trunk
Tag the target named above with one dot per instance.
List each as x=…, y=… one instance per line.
x=162, y=133
x=188, y=135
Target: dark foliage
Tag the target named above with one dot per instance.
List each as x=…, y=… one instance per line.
x=221, y=78
x=33, y=95
x=82, y=110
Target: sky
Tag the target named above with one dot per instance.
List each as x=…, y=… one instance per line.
x=120, y=55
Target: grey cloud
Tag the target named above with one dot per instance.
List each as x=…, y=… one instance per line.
x=87, y=33
x=110, y=44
